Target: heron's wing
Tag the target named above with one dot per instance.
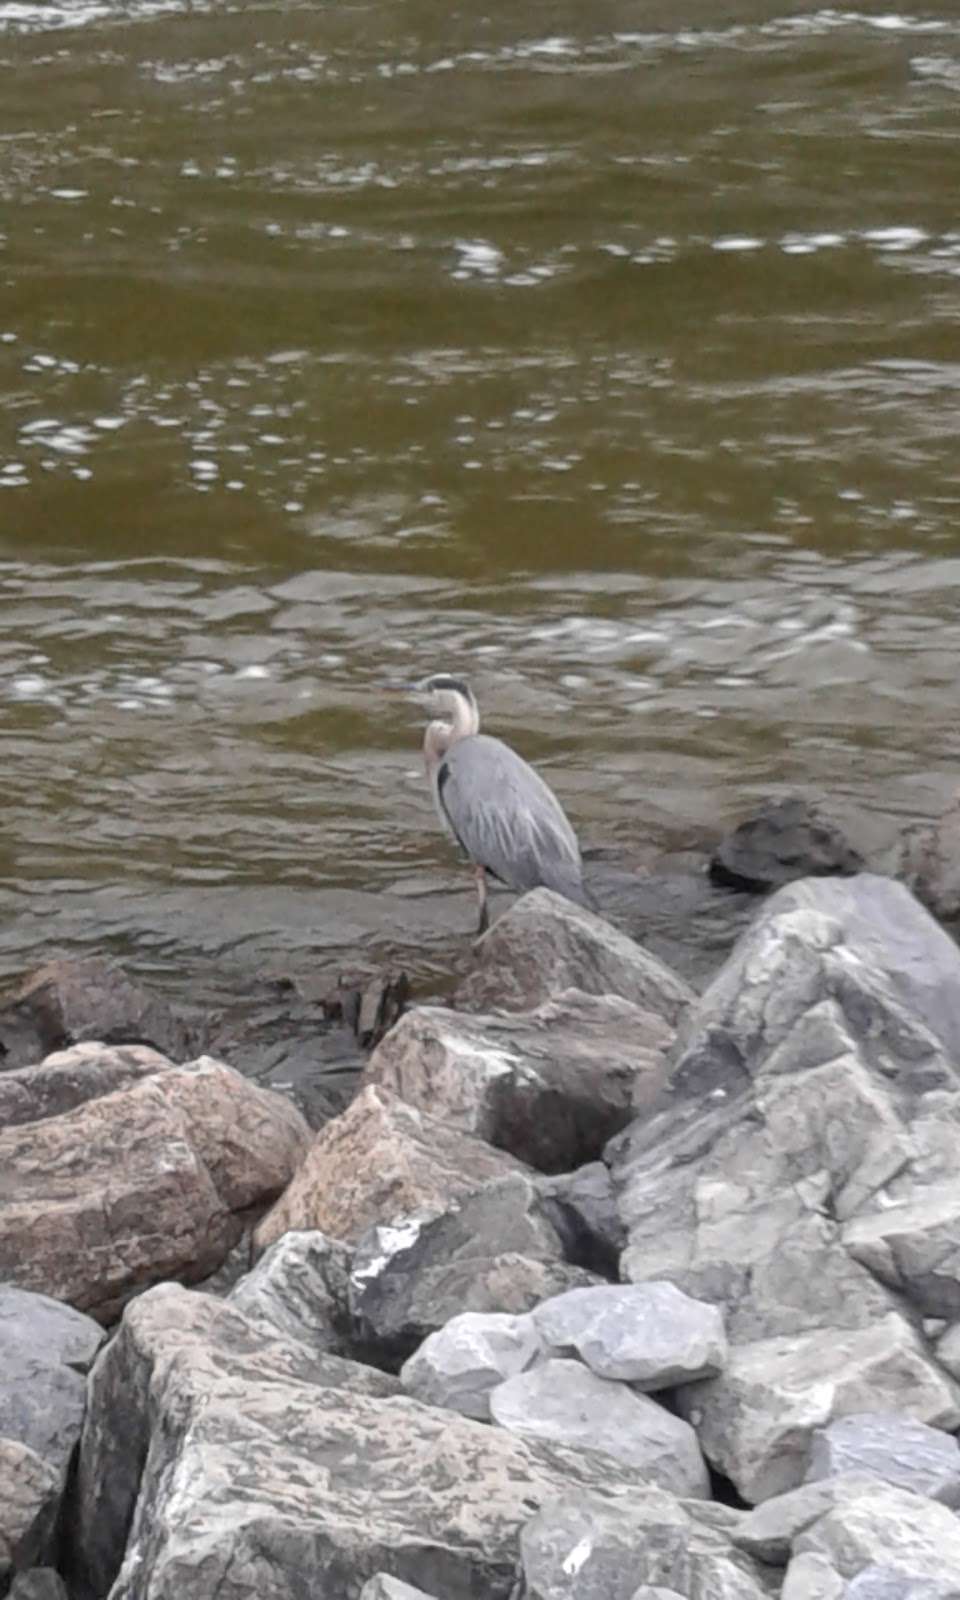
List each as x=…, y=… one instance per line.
x=506, y=818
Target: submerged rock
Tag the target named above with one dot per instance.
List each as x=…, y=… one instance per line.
x=123, y=1169
x=66, y=1002
x=786, y=839
x=550, y=1085
x=545, y=944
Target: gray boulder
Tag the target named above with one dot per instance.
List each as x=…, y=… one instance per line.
x=650, y=1335
x=40, y=1583
x=578, y=1548
x=46, y=1349
x=217, y=1461
x=551, y=1086
x=756, y=1420
x=383, y=1587
x=919, y=1538
x=787, y=838
x=299, y=1287
x=769, y=1531
x=811, y=1577
x=30, y=1496
x=457, y=1366
x=545, y=944
x=893, y=1583
x=561, y=1400
x=67, y=1001
x=890, y=1446
x=493, y=1250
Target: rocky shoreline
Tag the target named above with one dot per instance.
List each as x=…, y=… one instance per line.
x=597, y=1288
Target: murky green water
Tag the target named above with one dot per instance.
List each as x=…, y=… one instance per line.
x=608, y=353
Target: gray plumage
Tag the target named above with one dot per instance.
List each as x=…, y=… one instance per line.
x=497, y=808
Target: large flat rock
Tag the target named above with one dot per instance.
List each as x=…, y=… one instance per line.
x=248, y=1465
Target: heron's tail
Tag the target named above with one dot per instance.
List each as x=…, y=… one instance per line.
x=568, y=881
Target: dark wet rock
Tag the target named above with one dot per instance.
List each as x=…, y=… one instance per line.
x=564, y=1401
x=890, y=1446
x=786, y=839
x=650, y=1335
x=802, y=1175
x=545, y=944
x=300, y=1288
x=66, y=1002
x=122, y=1169
x=493, y=1250
x=577, y=1547
x=460, y=1364
x=30, y=1497
x=237, y=1462
x=756, y=1420
x=930, y=863
x=366, y=1000
x=381, y=1159
x=582, y=1207
x=550, y=1085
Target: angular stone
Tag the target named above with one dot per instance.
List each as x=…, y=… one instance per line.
x=769, y=1531
x=383, y=1587
x=583, y=1209
x=67, y=1001
x=890, y=1526
x=300, y=1287
x=457, y=1366
x=931, y=863
x=380, y=1160
x=550, y=1085
x=30, y=1494
x=563, y=1401
x=890, y=1446
x=650, y=1335
x=892, y=1583
x=577, y=1548
x=756, y=1420
x=811, y=1577
x=40, y=1583
x=545, y=944
x=216, y=1461
x=786, y=839
x=144, y=1182
x=915, y=1248
x=491, y=1251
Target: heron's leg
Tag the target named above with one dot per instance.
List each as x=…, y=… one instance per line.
x=481, y=880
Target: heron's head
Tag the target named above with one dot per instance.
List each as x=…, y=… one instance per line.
x=451, y=697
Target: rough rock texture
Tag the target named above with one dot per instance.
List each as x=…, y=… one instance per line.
x=892, y=1447
x=30, y=1493
x=545, y=944
x=300, y=1289
x=493, y=1250
x=146, y=1180
x=65, y=1002
x=45, y=1351
x=550, y=1085
x=786, y=839
x=583, y=1209
x=457, y=1366
x=770, y=1530
x=381, y=1159
x=755, y=1420
x=890, y=1527
x=803, y=1177
x=651, y=1335
x=811, y=1577
x=561, y=1400
x=250, y=1464
x=40, y=1583
x=931, y=863
x=383, y=1587
x=577, y=1548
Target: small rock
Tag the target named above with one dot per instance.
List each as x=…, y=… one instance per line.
x=583, y=1209
x=66, y=1002
x=579, y=1548
x=561, y=1400
x=383, y=1587
x=912, y=1247
x=892, y=1583
x=786, y=839
x=457, y=1366
x=30, y=1493
x=650, y=1335
x=381, y=1159
x=550, y=1085
x=41, y=1583
x=811, y=1577
x=545, y=944
x=756, y=1420
x=890, y=1446
x=300, y=1288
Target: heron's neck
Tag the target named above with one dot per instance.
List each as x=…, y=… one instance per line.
x=440, y=735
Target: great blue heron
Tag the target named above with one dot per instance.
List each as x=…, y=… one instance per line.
x=499, y=811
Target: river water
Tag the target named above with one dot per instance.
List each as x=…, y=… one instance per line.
x=608, y=353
